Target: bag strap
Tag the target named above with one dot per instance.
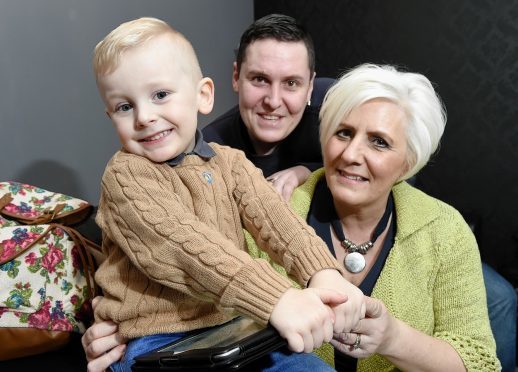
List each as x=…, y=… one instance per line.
x=47, y=216
x=82, y=244
x=5, y=199
x=28, y=246
x=86, y=258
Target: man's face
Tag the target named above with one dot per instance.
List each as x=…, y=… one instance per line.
x=274, y=86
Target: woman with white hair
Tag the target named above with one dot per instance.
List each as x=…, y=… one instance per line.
x=414, y=253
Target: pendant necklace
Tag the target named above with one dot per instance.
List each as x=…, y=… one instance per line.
x=354, y=261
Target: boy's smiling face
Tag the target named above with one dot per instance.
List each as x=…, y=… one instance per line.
x=153, y=97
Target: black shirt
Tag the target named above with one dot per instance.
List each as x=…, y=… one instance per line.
x=301, y=147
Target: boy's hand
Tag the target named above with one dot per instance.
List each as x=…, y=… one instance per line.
x=304, y=318
x=102, y=344
x=347, y=315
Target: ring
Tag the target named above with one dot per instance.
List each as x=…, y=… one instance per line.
x=357, y=342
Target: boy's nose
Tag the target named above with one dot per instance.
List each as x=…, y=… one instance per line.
x=145, y=117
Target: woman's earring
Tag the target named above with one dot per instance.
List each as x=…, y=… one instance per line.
x=309, y=102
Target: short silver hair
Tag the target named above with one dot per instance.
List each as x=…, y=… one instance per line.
x=413, y=92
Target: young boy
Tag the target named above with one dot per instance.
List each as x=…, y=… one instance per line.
x=173, y=207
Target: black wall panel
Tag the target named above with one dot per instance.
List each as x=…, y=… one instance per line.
x=469, y=49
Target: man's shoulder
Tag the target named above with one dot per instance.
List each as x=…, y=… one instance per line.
x=221, y=127
x=311, y=116
x=304, y=140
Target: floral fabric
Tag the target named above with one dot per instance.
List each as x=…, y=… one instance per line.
x=30, y=202
x=43, y=285
x=6, y=222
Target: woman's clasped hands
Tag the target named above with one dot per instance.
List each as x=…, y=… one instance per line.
x=370, y=335
x=362, y=326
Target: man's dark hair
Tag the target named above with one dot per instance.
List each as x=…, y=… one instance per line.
x=279, y=27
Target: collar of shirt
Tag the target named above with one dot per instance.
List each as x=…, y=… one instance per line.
x=201, y=148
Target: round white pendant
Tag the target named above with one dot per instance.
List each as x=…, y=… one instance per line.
x=354, y=262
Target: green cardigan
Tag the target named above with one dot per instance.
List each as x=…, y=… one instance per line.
x=432, y=278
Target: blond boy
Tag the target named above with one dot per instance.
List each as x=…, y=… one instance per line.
x=173, y=207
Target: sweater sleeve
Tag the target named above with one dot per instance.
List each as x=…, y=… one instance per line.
x=460, y=301
x=276, y=228
x=170, y=245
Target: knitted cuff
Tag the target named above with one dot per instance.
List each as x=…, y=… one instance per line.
x=255, y=291
x=314, y=258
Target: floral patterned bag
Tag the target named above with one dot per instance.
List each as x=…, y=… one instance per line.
x=46, y=271
x=31, y=205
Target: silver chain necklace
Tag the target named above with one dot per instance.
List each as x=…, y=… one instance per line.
x=354, y=261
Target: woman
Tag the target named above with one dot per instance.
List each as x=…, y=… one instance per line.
x=378, y=128
x=409, y=250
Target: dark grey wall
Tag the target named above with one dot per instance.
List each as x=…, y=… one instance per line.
x=53, y=131
x=469, y=49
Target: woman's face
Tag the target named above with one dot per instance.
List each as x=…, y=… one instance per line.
x=366, y=154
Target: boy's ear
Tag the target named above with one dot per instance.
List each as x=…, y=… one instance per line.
x=235, y=77
x=205, y=95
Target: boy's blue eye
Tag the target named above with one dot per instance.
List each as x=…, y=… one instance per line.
x=161, y=95
x=124, y=107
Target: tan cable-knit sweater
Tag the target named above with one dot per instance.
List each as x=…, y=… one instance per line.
x=176, y=256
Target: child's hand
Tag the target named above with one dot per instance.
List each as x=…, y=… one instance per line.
x=102, y=344
x=347, y=315
x=304, y=318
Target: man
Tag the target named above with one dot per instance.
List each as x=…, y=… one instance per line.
x=275, y=123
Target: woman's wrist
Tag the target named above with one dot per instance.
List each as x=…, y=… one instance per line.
x=390, y=346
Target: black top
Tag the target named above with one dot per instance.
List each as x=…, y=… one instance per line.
x=321, y=213
x=301, y=147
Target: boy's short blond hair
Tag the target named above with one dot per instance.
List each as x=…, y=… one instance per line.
x=108, y=51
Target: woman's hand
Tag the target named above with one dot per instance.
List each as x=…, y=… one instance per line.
x=370, y=335
x=404, y=346
x=348, y=314
x=102, y=344
x=287, y=180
